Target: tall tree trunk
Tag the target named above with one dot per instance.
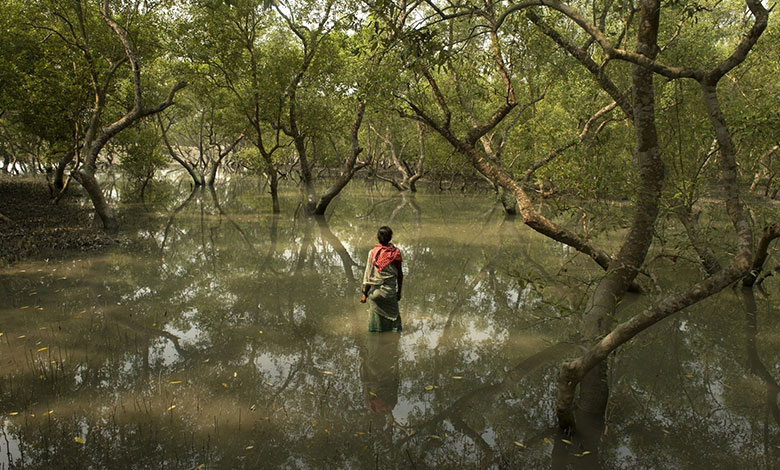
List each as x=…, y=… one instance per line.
x=594, y=391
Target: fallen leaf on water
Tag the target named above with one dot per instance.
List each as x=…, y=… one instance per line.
x=327, y=372
x=80, y=440
x=249, y=447
x=566, y=441
x=43, y=349
x=171, y=407
x=326, y=430
x=547, y=441
x=1, y=333
x=174, y=382
x=359, y=433
x=430, y=387
x=520, y=445
x=434, y=436
x=49, y=412
x=13, y=413
x=372, y=394
x=21, y=336
x=457, y=377
x=690, y=376
x=269, y=384
x=25, y=307
x=154, y=324
x=224, y=385
x=587, y=452
x=235, y=374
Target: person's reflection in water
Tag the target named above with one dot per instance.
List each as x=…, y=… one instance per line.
x=380, y=377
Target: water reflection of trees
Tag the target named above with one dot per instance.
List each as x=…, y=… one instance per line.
x=270, y=348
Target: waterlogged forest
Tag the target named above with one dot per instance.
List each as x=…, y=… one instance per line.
x=584, y=193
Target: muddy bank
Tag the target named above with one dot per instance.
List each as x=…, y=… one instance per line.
x=32, y=227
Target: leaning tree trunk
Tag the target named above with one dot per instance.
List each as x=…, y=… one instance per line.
x=95, y=140
x=349, y=165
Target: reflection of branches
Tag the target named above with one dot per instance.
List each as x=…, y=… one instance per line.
x=374, y=207
x=756, y=366
x=334, y=242
x=478, y=396
x=149, y=332
x=173, y=216
x=230, y=219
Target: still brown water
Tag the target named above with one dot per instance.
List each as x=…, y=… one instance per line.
x=219, y=336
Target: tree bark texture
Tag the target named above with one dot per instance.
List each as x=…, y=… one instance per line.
x=623, y=269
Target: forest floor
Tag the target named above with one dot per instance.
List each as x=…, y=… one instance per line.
x=32, y=227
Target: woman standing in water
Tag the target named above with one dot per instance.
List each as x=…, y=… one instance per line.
x=382, y=284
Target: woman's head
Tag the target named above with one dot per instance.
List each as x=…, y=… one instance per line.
x=384, y=235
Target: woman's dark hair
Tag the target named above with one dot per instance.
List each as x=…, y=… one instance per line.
x=384, y=235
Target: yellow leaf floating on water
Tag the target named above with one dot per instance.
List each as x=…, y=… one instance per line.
x=25, y=307
x=249, y=447
x=547, y=441
x=43, y=349
x=520, y=445
x=327, y=372
x=13, y=413
x=80, y=440
x=566, y=441
x=224, y=385
x=587, y=452
x=430, y=387
x=269, y=384
x=174, y=382
x=49, y=412
x=372, y=394
x=260, y=332
x=457, y=377
x=434, y=436
x=171, y=407
x=690, y=376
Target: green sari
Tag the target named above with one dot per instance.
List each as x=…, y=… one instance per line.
x=382, y=298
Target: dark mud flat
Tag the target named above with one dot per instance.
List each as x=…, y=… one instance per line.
x=31, y=226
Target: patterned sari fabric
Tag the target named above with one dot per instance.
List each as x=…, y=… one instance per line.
x=383, y=268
